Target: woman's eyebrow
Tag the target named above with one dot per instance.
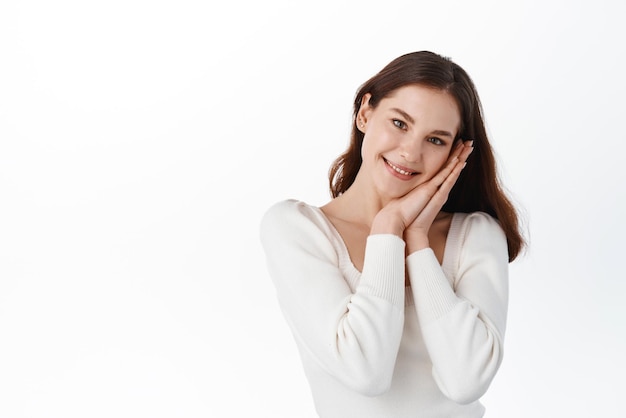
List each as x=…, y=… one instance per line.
x=442, y=133
x=403, y=114
x=411, y=120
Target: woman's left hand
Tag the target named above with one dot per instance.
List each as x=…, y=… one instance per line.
x=416, y=234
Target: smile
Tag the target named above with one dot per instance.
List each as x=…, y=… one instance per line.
x=399, y=170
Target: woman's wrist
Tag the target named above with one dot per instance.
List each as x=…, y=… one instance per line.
x=416, y=241
x=384, y=224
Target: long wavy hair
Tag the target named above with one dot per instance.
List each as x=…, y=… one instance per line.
x=478, y=187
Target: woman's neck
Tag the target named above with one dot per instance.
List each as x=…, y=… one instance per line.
x=358, y=204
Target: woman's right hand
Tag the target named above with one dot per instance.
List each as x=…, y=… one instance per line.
x=418, y=208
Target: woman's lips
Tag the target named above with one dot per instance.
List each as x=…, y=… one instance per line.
x=403, y=171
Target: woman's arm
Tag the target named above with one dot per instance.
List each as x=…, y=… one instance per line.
x=463, y=325
x=353, y=336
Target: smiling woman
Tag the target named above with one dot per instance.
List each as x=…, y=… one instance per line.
x=396, y=290
x=394, y=142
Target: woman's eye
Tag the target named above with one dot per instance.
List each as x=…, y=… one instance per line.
x=399, y=124
x=436, y=141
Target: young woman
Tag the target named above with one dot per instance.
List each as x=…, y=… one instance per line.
x=396, y=290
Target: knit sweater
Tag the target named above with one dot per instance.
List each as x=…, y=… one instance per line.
x=372, y=347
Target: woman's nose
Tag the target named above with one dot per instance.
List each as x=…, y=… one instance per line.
x=412, y=151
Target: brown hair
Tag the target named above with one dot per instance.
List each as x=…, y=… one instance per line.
x=478, y=187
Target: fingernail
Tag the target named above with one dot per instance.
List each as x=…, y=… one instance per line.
x=470, y=143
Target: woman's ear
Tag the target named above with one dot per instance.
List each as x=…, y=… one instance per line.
x=364, y=112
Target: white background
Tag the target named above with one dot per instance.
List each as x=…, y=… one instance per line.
x=141, y=141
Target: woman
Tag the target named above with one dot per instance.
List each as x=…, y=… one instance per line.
x=396, y=290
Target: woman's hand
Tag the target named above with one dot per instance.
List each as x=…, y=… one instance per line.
x=434, y=196
x=413, y=213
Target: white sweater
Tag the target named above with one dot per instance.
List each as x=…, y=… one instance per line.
x=371, y=347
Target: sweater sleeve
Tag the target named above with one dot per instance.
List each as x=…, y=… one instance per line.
x=463, y=323
x=354, y=336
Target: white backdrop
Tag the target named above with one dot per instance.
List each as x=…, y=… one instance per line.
x=141, y=141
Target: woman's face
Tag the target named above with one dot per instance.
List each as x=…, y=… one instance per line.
x=408, y=137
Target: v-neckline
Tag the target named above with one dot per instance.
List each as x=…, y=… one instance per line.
x=445, y=259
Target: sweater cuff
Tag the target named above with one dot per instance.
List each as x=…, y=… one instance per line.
x=383, y=268
x=433, y=294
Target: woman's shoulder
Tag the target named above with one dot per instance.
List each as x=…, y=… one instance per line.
x=475, y=231
x=474, y=237
x=476, y=221
x=289, y=210
x=290, y=224
x=291, y=216
x=472, y=226
x=480, y=221
x=290, y=205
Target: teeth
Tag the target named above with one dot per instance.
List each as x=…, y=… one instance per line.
x=399, y=170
